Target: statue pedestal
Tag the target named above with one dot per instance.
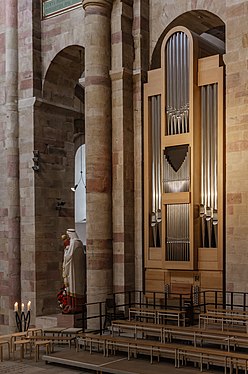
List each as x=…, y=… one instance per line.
x=59, y=320
x=70, y=320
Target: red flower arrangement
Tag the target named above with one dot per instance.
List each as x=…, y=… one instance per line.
x=62, y=297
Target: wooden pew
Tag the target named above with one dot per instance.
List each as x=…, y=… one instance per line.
x=180, y=352
x=219, y=311
x=215, y=356
x=53, y=339
x=223, y=320
x=129, y=345
x=158, y=315
x=196, y=336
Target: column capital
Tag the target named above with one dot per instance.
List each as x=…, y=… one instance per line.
x=101, y=3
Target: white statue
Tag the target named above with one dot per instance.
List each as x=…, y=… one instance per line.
x=73, y=272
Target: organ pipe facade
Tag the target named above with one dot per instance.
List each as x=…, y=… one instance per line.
x=183, y=165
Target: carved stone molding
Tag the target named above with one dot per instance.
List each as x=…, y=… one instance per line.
x=102, y=3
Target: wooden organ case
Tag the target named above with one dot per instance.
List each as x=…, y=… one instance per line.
x=183, y=166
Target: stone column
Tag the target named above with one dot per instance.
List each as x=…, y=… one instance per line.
x=122, y=147
x=12, y=156
x=98, y=149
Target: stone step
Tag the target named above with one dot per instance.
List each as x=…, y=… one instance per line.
x=59, y=320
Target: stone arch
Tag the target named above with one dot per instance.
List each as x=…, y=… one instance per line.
x=59, y=130
x=64, y=70
x=199, y=21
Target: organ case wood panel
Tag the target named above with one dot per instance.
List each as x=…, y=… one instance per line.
x=202, y=71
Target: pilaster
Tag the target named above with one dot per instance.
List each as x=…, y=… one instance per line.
x=122, y=147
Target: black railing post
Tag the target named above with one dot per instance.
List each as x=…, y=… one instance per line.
x=181, y=301
x=216, y=299
x=129, y=299
x=154, y=300
x=231, y=299
x=204, y=301
x=100, y=312
x=114, y=305
x=165, y=300
x=83, y=317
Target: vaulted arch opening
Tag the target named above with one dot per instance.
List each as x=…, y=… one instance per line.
x=202, y=22
x=58, y=133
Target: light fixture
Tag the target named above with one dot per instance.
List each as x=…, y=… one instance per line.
x=80, y=179
x=36, y=160
x=60, y=203
x=81, y=172
x=81, y=98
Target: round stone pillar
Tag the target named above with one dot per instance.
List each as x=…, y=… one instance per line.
x=98, y=149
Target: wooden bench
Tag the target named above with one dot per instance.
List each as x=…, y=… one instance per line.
x=196, y=336
x=236, y=312
x=55, y=331
x=2, y=344
x=213, y=356
x=111, y=344
x=58, y=339
x=71, y=331
x=167, y=333
x=45, y=343
x=14, y=337
x=158, y=315
x=223, y=320
x=34, y=331
x=180, y=352
x=23, y=344
x=89, y=339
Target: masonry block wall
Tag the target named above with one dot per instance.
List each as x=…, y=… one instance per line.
x=38, y=67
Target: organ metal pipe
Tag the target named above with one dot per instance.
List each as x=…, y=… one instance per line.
x=168, y=88
x=171, y=84
x=177, y=78
x=208, y=181
x=159, y=211
x=177, y=234
x=156, y=169
x=215, y=122
x=209, y=162
x=153, y=213
x=203, y=156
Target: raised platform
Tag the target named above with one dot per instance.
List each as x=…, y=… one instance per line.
x=59, y=320
x=114, y=364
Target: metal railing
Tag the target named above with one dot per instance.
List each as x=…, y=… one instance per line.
x=163, y=300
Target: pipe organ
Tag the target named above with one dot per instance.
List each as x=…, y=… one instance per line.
x=177, y=84
x=209, y=162
x=183, y=165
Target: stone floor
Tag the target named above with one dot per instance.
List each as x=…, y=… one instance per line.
x=29, y=366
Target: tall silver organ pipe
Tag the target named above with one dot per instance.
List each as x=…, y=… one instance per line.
x=177, y=232
x=177, y=84
x=156, y=214
x=209, y=165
